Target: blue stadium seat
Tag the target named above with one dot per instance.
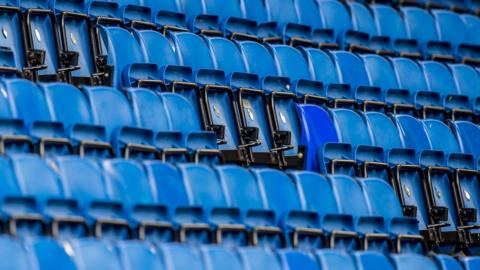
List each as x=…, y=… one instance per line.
x=257, y=258
x=470, y=263
x=389, y=23
x=94, y=254
x=302, y=228
x=267, y=29
x=181, y=257
x=139, y=255
x=293, y=259
x=218, y=258
x=351, y=70
x=440, y=80
x=466, y=133
x=206, y=191
x=384, y=133
x=130, y=185
x=127, y=137
x=472, y=23
x=104, y=216
x=362, y=21
x=331, y=259
x=188, y=218
x=68, y=105
x=335, y=16
x=318, y=196
x=452, y=29
x=50, y=254
x=420, y=25
x=15, y=255
x=167, y=15
x=243, y=192
x=198, y=19
x=407, y=261
x=372, y=260
x=467, y=79
x=381, y=74
x=446, y=262
x=309, y=14
x=410, y=77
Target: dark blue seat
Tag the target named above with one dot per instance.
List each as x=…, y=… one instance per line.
x=293, y=259
x=390, y=24
x=139, y=255
x=420, y=25
x=94, y=254
x=467, y=79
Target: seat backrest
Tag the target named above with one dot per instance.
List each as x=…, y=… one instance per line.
x=371, y=260
x=156, y=48
x=420, y=25
x=441, y=136
x=316, y=193
x=226, y=54
x=295, y=259
x=446, y=262
x=139, y=255
x=384, y=132
x=308, y=13
x=224, y=8
x=255, y=10
x=183, y=116
x=182, y=257
x=413, y=132
x=331, y=259
x=50, y=254
x=282, y=11
x=67, y=104
x=12, y=37
x=388, y=22
x=407, y=261
x=110, y=108
x=128, y=182
x=438, y=77
x=219, y=258
x=290, y=62
x=381, y=198
x=166, y=5
x=380, y=72
x=258, y=59
x=149, y=110
x=9, y=185
x=14, y=254
x=409, y=75
x=350, y=69
x=94, y=254
x=321, y=66
x=240, y=187
x=450, y=27
x=362, y=19
x=349, y=195
x=259, y=258
x=350, y=127
x=467, y=135
x=466, y=79
x=335, y=16
x=192, y=51
x=472, y=23
x=470, y=263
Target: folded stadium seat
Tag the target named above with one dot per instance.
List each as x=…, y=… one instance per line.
x=303, y=228
x=410, y=261
x=111, y=109
x=242, y=192
x=182, y=257
x=362, y=21
x=330, y=259
x=467, y=80
x=440, y=80
x=335, y=16
x=411, y=77
x=94, y=254
x=189, y=219
x=295, y=259
x=15, y=255
x=318, y=196
x=445, y=262
x=136, y=15
x=371, y=260
x=420, y=25
x=322, y=69
x=258, y=258
x=130, y=185
x=49, y=253
x=372, y=229
x=167, y=15
x=105, y=217
x=390, y=24
x=381, y=74
x=382, y=201
x=139, y=255
x=218, y=258
x=205, y=191
x=198, y=19
x=439, y=196
x=451, y=28
x=28, y=103
x=267, y=29
x=76, y=41
x=126, y=55
x=470, y=263
x=351, y=70
x=46, y=59
x=68, y=105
